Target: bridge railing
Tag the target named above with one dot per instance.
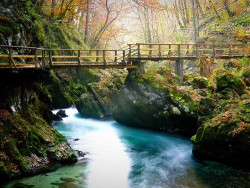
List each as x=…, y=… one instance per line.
x=32, y=57
x=85, y=57
x=20, y=56
x=175, y=51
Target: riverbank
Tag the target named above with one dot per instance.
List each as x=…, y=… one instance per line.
x=149, y=159
x=28, y=144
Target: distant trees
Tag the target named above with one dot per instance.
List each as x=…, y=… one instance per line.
x=152, y=20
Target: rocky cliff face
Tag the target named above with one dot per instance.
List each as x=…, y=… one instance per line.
x=28, y=144
x=142, y=105
x=100, y=98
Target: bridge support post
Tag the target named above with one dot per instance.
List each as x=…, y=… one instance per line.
x=179, y=69
x=141, y=66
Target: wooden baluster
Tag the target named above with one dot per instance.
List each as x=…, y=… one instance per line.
x=139, y=53
x=196, y=50
x=169, y=51
x=150, y=51
x=97, y=55
x=159, y=49
x=115, y=56
x=43, y=58
x=50, y=58
x=36, y=58
x=123, y=57
x=79, y=57
x=213, y=50
x=179, y=50
x=129, y=52
x=10, y=56
x=187, y=53
x=104, y=57
x=230, y=50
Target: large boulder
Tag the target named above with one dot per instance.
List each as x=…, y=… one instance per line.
x=246, y=77
x=230, y=83
x=225, y=136
x=89, y=107
x=202, y=83
x=140, y=104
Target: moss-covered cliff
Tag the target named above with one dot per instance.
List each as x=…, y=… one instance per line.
x=28, y=144
x=101, y=94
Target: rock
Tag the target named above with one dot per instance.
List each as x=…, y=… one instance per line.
x=61, y=113
x=201, y=83
x=141, y=105
x=230, y=81
x=79, y=153
x=232, y=64
x=28, y=144
x=57, y=117
x=60, y=98
x=206, y=106
x=224, y=137
x=88, y=107
x=246, y=77
x=61, y=153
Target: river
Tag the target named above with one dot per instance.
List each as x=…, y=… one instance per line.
x=121, y=157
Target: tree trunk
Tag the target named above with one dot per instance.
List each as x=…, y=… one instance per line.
x=86, y=37
x=65, y=10
x=230, y=14
x=197, y=18
x=177, y=15
x=194, y=25
x=186, y=10
x=53, y=3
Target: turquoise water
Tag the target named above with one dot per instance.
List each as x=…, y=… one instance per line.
x=120, y=156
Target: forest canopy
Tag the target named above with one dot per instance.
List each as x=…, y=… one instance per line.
x=106, y=23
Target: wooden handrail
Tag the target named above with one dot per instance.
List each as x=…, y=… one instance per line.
x=134, y=52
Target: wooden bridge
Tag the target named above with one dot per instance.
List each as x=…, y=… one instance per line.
x=19, y=57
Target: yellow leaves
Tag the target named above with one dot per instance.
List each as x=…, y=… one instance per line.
x=240, y=33
x=208, y=58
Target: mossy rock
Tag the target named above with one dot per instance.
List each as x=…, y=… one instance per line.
x=88, y=107
x=202, y=83
x=206, y=106
x=233, y=64
x=224, y=137
x=24, y=140
x=142, y=105
x=230, y=81
x=246, y=77
x=60, y=98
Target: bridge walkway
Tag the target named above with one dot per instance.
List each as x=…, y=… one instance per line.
x=19, y=57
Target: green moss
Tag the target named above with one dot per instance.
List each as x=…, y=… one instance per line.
x=88, y=107
x=202, y=83
x=193, y=138
x=3, y=169
x=230, y=81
